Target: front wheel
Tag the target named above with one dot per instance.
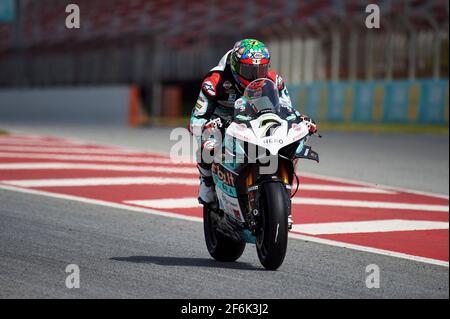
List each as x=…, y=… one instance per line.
x=219, y=247
x=272, y=240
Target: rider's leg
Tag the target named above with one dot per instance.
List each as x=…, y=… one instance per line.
x=206, y=193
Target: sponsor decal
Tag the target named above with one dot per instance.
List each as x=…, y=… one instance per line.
x=291, y=117
x=230, y=205
x=237, y=213
x=240, y=136
x=226, y=189
x=243, y=117
x=224, y=176
x=232, y=98
x=227, y=85
x=256, y=55
x=280, y=83
x=273, y=141
x=209, y=88
x=241, y=51
x=240, y=105
x=200, y=103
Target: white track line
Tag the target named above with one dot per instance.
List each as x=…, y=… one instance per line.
x=191, y=202
x=33, y=139
x=77, y=150
x=370, y=250
x=345, y=189
x=25, y=137
x=368, y=204
x=99, y=167
x=67, y=182
x=94, y=158
x=370, y=226
x=391, y=188
x=197, y=219
x=28, y=136
x=26, y=143
x=101, y=203
x=139, y=180
x=22, y=138
x=44, y=141
x=166, y=203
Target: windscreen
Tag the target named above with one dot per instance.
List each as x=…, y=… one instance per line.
x=262, y=95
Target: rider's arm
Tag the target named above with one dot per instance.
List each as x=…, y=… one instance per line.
x=204, y=107
x=200, y=114
x=285, y=99
x=283, y=92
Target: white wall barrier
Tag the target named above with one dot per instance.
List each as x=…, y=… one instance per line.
x=112, y=105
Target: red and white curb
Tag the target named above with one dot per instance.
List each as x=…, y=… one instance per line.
x=333, y=211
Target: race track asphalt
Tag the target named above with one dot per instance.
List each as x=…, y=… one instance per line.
x=125, y=254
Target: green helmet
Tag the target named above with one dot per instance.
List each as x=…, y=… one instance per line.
x=250, y=60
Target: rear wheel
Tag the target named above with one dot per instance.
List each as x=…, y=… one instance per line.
x=272, y=241
x=219, y=247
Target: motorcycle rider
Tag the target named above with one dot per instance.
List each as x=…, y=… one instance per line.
x=223, y=85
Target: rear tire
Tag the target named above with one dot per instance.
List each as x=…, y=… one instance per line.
x=271, y=243
x=219, y=247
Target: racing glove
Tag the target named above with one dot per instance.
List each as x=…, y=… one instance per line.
x=310, y=123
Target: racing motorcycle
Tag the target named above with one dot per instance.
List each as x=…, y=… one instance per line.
x=254, y=175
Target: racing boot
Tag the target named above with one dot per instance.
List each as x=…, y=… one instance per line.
x=290, y=221
x=206, y=192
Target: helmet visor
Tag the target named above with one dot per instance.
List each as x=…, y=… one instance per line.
x=252, y=72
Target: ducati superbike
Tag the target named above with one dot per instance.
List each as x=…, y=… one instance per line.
x=254, y=175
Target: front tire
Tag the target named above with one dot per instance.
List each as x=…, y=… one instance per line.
x=272, y=241
x=219, y=247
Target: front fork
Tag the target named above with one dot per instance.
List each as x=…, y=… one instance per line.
x=254, y=194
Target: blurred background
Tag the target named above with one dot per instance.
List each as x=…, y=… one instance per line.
x=132, y=73
x=141, y=61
